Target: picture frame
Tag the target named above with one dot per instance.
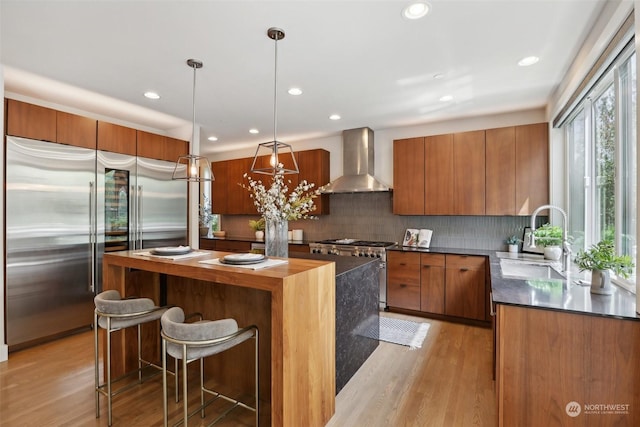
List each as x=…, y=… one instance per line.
x=525, y=243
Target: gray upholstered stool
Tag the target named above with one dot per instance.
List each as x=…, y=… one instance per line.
x=192, y=341
x=113, y=313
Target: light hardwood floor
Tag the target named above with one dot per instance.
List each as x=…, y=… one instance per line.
x=448, y=382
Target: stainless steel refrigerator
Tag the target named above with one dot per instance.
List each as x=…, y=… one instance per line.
x=65, y=207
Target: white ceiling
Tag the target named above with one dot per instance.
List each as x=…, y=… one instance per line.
x=359, y=59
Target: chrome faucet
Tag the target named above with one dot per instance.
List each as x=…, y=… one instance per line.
x=566, y=249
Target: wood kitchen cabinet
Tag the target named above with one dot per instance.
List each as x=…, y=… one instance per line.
x=532, y=163
x=438, y=175
x=546, y=359
x=465, y=292
x=408, y=176
x=76, y=130
x=30, y=121
x=116, y=138
x=500, y=196
x=517, y=169
x=468, y=173
x=432, y=283
x=403, y=280
x=447, y=285
x=314, y=167
x=229, y=198
x=500, y=171
x=160, y=147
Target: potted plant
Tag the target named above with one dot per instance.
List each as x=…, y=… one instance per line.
x=601, y=259
x=257, y=225
x=513, y=242
x=550, y=238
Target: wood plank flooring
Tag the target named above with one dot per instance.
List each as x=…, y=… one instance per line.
x=448, y=382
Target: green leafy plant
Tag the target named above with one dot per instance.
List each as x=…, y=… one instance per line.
x=602, y=256
x=513, y=240
x=548, y=235
x=256, y=224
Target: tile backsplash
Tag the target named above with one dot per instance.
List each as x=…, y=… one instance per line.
x=368, y=216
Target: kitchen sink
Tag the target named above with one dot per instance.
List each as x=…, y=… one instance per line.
x=525, y=269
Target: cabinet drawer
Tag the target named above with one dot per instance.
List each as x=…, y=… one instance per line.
x=403, y=295
x=466, y=261
x=436, y=260
x=232, y=246
x=397, y=258
x=408, y=274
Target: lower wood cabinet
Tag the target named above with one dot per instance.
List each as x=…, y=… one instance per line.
x=444, y=284
x=557, y=368
x=403, y=280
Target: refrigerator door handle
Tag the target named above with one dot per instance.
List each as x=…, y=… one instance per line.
x=92, y=235
x=133, y=232
x=139, y=217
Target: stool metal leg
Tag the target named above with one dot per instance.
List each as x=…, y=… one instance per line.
x=97, y=365
x=257, y=382
x=109, y=370
x=185, y=401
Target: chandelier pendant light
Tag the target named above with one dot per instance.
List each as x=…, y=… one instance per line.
x=191, y=167
x=274, y=157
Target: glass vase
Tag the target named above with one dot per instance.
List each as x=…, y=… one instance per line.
x=275, y=238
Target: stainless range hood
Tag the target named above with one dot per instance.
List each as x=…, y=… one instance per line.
x=357, y=164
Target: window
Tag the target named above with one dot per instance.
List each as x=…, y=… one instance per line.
x=601, y=166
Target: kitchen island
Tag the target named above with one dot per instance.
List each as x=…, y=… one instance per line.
x=357, y=314
x=292, y=304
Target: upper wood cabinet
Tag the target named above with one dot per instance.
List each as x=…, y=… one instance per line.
x=494, y=172
x=408, y=176
x=314, y=166
x=439, y=175
x=30, y=121
x=500, y=196
x=532, y=163
x=468, y=173
x=230, y=198
x=116, y=138
x=76, y=130
x=160, y=147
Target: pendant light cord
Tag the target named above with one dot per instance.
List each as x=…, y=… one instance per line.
x=275, y=92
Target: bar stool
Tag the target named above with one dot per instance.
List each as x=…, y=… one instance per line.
x=113, y=313
x=203, y=338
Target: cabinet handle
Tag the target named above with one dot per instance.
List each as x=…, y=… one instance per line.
x=402, y=263
x=426, y=266
x=492, y=310
x=402, y=285
x=464, y=269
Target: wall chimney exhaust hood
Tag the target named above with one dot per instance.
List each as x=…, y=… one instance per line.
x=357, y=164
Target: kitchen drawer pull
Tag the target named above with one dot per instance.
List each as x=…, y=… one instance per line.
x=426, y=266
x=464, y=269
x=403, y=264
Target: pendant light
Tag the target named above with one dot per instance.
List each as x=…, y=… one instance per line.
x=275, y=151
x=191, y=167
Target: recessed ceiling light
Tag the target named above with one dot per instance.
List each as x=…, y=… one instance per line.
x=213, y=138
x=446, y=98
x=415, y=10
x=438, y=76
x=151, y=95
x=254, y=131
x=529, y=60
x=335, y=117
x=295, y=91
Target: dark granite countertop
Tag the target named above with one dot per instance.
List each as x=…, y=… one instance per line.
x=254, y=240
x=555, y=294
x=344, y=264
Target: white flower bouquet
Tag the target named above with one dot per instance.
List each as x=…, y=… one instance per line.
x=276, y=203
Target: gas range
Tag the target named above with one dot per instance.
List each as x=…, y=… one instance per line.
x=351, y=247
